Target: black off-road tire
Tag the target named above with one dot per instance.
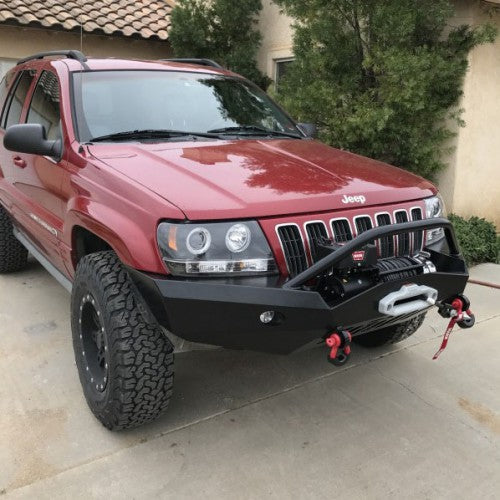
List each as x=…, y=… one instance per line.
x=126, y=368
x=391, y=334
x=13, y=256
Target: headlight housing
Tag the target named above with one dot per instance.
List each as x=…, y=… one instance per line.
x=434, y=207
x=215, y=249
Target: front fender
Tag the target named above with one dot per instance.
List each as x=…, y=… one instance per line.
x=133, y=242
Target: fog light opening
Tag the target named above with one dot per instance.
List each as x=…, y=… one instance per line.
x=272, y=318
x=267, y=317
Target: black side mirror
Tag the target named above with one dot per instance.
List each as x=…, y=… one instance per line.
x=31, y=138
x=308, y=129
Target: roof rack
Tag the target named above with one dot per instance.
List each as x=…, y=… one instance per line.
x=193, y=60
x=70, y=54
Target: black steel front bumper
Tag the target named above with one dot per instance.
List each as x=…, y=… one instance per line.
x=226, y=312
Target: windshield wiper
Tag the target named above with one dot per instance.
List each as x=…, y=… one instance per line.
x=150, y=134
x=252, y=130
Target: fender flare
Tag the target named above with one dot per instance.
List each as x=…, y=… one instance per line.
x=139, y=251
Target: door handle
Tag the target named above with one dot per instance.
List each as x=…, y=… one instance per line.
x=19, y=162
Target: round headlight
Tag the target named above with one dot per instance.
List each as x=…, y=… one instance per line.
x=434, y=207
x=198, y=241
x=238, y=238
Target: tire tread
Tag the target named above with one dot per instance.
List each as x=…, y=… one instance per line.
x=391, y=334
x=13, y=255
x=141, y=356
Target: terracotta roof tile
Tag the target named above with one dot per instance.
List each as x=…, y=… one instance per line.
x=138, y=18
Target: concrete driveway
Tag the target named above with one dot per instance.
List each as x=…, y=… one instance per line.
x=391, y=424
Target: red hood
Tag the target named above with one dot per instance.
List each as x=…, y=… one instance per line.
x=252, y=178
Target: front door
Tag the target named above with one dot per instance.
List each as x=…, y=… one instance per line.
x=36, y=180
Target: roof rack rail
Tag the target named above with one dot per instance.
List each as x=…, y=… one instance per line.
x=70, y=54
x=194, y=60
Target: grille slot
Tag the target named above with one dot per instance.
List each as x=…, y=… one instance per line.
x=404, y=238
x=386, y=244
x=363, y=224
x=341, y=230
x=293, y=249
x=315, y=231
x=418, y=236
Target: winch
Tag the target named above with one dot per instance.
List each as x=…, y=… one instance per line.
x=363, y=269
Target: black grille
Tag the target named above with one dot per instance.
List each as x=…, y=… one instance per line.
x=404, y=238
x=363, y=224
x=418, y=236
x=386, y=244
x=341, y=230
x=293, y=249
x=315, y=231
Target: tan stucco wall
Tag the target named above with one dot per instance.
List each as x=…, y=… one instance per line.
x=471, y=183
x=17, y=42
x=277, y=37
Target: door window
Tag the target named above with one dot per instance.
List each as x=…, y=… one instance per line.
x=3, y=93
x=44, y=107
x=15, y=105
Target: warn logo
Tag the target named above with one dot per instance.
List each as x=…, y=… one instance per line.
x=358, y=256
x=353, y=199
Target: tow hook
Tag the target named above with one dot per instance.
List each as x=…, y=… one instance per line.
x=459, y=313
x=340, y=347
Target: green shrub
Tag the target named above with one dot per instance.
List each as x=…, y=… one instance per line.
x=223, y=30
x=477, y=238
x=381, y=78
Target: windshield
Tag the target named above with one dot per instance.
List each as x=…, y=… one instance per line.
x=110, y=102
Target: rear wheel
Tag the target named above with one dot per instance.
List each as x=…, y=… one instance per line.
x=13, y=256
x=125, y=363
x=392, y=334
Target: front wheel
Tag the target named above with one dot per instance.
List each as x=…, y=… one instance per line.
x=391, y=334
x=125, y=363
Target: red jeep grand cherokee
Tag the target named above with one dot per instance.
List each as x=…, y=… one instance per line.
x=176, y=200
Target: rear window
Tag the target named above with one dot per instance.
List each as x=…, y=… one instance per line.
x=4, y=90
x=15, y=103
x=44, y=107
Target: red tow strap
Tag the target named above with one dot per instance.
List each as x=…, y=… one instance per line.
x=457, y=305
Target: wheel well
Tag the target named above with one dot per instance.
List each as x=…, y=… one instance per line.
x=85, y=243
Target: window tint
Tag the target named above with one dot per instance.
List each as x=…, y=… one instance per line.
x=3, y=92
x=44, y=107
x=15, y=105
x=4, y=89
x=108, y=102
